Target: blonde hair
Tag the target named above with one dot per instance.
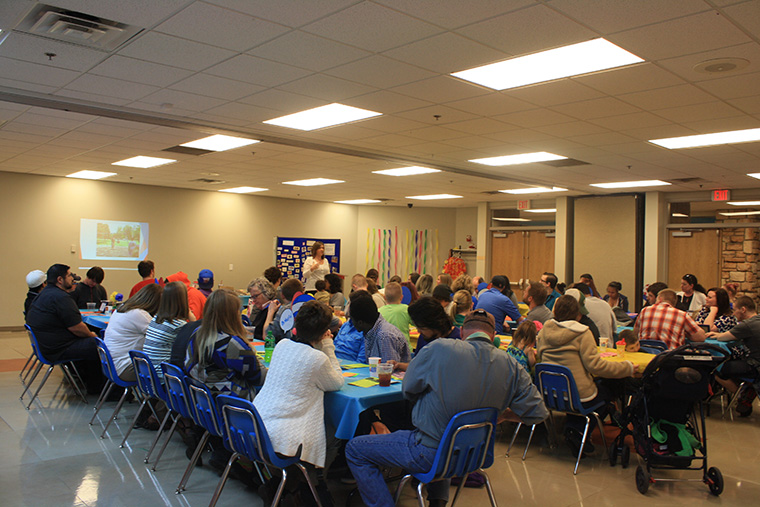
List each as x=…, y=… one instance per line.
x=173, y=303
x=393, y=293
x=461, y=303
x=463, y=282
x=525, y=334
x=221, y=314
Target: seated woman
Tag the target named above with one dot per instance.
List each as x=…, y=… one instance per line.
x=262, y=296
x=565, y=341
x=127, y=326
x=431, y=321
x=717, y=313
x=691, y=297
x=173, y=313
x=460, y=306
x=425, y=285
x=291, y=403
x=335, y=288
x=614, y=298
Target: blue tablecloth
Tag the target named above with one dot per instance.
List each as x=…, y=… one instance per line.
x=94, y=319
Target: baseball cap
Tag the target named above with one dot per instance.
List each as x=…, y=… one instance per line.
x=480, y=316
x=578, y=295
x=35, y=278
x=206, y=279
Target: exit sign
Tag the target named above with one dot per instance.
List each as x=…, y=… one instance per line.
x=721, y=195
x=523, y=204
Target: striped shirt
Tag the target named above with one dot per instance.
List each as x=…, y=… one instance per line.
x=665, y=323
x=159, y=339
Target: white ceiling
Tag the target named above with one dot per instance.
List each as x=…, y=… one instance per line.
x=220, y=66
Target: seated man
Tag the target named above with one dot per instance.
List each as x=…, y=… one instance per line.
x=59, y=329
x=665, y=322
x=35, y=280
x=431, y=321
x=598, y=311
x=497, y=304
x=195, y=298
x=381, y=338
x=147, y=270
x=549, y=280
x=535, y=296
x=485, y=377
x=205, y=283
x=89, y=290
x=748, y=332
x=359, y=282
x=280, y=329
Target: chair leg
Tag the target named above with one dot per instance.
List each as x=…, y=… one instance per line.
x=419, y=495
x=166, y=442
x=28, y=362
x=101, y=399
x=310, y=483
x=601, y=431
x=134, y=420
x=514, y=436
x=488, y=488
x=115, y=412
x=223, y=479
x=280, y=488
x=400, y=486
x=158, y=435
x=258, y=471
x=463, y=479
x=31, y=368
x=34, y=376
x=530, y=437
x=189, y=470
x=551, y=430
x=74, y=383
x=44, y=379
x=583, y=444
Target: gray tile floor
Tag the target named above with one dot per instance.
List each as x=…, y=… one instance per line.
x=52, y=457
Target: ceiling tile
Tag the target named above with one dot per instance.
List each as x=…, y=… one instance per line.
x=644, y=76
x=558, y=92
x=733, y=87
x=446, y=53
x=287, y=12
x=220, y=27
x=380, y=72
x=139, y=71
x=697, y=112
x=630, y=121
x=571, y=129
x=112, y=87
x=169, y=50
x=455, y=14
x=684, y=65
x=92, y=97
x=491, y=104
x=436, y=115
x=308, y=51
x=372, y=27
x=747, y=15
x=22, y=85
x=257, y=71
x=36, y=73
x=534, y=118
x=29, y=48
x=481, y=126
x=327, y=88
x=682, y=95
x=387, y=102
x=237, y=110
x=215, y=86
x=748, y=105
x=283, y=101
x=527, y=31
x=596, y=108
x=440, y=89
x=182, y=100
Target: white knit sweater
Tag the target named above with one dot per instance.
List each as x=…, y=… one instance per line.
x=291, y=403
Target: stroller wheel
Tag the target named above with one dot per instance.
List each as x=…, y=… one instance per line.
x=613, y=454
x=625, y=456
x=714, y=480
x=642, y=480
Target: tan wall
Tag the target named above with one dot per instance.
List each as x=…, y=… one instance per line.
x=605, y=241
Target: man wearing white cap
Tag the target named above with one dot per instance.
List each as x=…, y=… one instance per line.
x=36, y=281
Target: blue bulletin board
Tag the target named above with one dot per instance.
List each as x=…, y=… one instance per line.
x=291, y=253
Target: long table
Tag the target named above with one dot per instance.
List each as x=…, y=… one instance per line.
x=95, y=319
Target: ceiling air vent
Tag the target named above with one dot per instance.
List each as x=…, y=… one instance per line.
x=565, y=162
x=76, y=28
x=208, y=181
x=688, y=181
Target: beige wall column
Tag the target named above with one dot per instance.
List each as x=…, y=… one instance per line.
x=655, y=238
x=563, y=239
x=483, y=241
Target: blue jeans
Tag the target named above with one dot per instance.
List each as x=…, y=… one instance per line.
x=367, y=454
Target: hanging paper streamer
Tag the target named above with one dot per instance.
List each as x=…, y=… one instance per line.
x=392, y=253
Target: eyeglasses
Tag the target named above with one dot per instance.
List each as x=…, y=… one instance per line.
x=256, y=295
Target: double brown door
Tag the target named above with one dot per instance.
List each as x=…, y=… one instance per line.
x=522, y=254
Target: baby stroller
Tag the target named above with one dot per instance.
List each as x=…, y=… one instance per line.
x=667, y=416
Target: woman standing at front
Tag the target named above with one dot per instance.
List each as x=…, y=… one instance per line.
x=315, y=267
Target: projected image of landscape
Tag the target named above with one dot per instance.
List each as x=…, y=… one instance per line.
x=113, y=240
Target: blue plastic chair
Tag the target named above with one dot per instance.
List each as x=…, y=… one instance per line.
x=406, y=295
x=658, y=345
x=51, y=364
x=246, y=435
x=466, y=447
x=151, y=387
x=560, y=393
x=109, y=371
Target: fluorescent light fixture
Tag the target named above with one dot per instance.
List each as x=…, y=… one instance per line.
x=321, y=117
x=433, y=197
x=219, y=143
x=534, y=190
x=754, y=175
x=631, y=184
x=744, y=203
x=144, y=162
x=512, y=219
x=679, y=215
x=739, y=213
x=520, y=158
x=572, y=60
x=358, y=201
x=538, y=210
x=312, y=182
x=90, y=175
x=243, y=190
x=407, y=171
x=697, y=141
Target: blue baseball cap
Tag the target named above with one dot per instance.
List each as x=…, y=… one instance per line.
x=206, y=279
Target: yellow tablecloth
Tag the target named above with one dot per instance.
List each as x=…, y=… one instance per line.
x=640, y=359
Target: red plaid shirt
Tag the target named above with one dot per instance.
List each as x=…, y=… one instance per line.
x=663, y=322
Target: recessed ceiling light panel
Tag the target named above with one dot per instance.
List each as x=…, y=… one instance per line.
x=219, y=143
x=407, y=171
x=544, y=210
x=243, y=190
x=572, y=60
x=754, y=175
x=313, y=182
x=144, y=162
x=324, y=116
x=90, y=175
x=358, y=201
x=534, y=190
x=739, y=213
x=701, y=140
x=512, y=219
x=520, y=158
x=433, y=197
x=631, y=184
x=744, y=203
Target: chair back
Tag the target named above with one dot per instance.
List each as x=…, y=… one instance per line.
x=466, y=445
x=205, y=413
x=661, y=346
x=177, y=395
x=558, y=388
x=147, y=379
x=107, y=365
x=245, y=433
x=406, y=295
x=36, y=345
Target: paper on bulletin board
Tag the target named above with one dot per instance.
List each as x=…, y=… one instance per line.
x=330, y=249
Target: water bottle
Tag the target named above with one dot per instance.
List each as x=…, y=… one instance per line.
x=268, y=347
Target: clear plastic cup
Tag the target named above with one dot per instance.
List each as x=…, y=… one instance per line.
x=384, y=372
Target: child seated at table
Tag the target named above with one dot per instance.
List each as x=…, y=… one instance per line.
x=322, y=295
x=523, y=344
x=631, y=340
